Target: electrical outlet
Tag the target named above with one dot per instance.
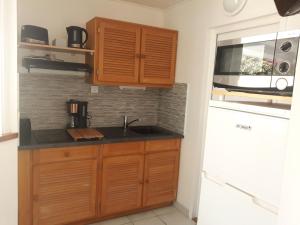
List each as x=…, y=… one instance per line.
x=94, y=90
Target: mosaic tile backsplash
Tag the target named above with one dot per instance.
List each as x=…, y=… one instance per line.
x=43, y=99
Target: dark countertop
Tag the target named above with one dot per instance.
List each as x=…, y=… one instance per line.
x=39, y=139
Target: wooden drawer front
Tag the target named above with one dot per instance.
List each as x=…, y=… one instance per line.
x=127, y=148
x=162, y=145
x=64, y=154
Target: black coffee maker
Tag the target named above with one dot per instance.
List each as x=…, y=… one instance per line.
x=75, y=39
x=78, y=113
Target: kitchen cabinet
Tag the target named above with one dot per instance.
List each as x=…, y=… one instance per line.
x=246, y=150
x=158, y=56
x=122, y=178
x=64, y=189
x=223, y=205
x=138, y=174
x=161, y=171
x=161, y=177
x=118, y=52
x=131, y=54
x=67, y=185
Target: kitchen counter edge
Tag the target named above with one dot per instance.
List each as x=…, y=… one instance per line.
x=37, y=146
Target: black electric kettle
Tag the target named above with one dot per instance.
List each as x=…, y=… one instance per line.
x=75, y=36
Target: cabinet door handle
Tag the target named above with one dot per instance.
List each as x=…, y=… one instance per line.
x=243, y=127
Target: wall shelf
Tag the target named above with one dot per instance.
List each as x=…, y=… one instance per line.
x=55, y=48
x=225, y=93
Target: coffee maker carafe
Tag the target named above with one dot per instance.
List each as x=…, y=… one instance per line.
x=78, y=113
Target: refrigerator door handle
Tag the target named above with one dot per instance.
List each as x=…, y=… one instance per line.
x=267, y=206
x=213, y=179
x=260, y=203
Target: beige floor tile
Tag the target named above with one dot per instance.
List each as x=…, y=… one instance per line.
x=176, y=218
x=140, y=216
x=165, y=210
x=118, y=221
x=149, y=221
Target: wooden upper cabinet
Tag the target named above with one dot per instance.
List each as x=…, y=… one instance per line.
x=131, y=54
x=122, y=184
x=158, y=56
x=64, y=192
x=119, y=48
x=161, y=178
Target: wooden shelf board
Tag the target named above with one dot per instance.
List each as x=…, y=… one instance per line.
x=55, y=48
x=8, y=137
x=250, y=95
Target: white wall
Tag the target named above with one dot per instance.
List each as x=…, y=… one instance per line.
x=8, y=150
x=195, y=19
x=9, y=183
x=289, y=214
x=56, y=15
x=10, y=80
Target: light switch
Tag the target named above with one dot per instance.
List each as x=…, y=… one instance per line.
x=94, y=90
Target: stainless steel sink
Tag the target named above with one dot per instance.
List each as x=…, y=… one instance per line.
x=148, y=130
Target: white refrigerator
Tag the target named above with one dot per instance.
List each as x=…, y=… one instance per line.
x=243, y=168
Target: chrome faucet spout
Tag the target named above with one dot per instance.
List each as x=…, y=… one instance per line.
x=126, y=123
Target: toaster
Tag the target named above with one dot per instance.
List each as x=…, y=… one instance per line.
x=34, y=34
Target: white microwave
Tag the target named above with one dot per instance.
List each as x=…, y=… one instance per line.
x=263, y=64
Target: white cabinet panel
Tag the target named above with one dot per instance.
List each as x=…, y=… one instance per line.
x=223, y=205
x=246, y=150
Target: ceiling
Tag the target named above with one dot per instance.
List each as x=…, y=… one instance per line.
x=162, y=4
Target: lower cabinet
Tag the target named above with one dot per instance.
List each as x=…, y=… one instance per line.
x=64, y=192
x=60, y=186
x=161, y=177
x=122, y=184
x=64, y=189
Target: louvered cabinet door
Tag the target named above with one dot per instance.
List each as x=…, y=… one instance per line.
x=122, y=184
x=161, y=177
x=119, y=51
x=158, y=56
x=64, y=192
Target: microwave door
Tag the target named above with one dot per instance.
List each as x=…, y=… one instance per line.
x=245, y=66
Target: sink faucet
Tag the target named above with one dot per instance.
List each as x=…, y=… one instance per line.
x=126, y=123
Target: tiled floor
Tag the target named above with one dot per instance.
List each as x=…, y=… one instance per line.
x=163, y=216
